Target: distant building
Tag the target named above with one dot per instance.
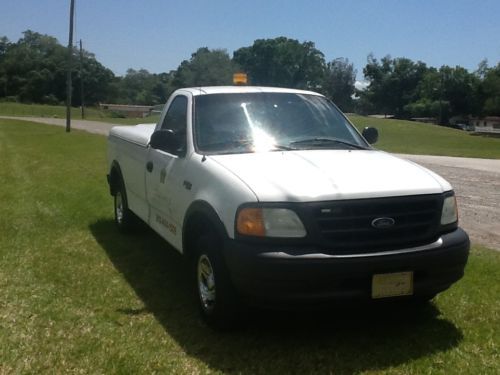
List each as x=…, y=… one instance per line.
x=490, y=124
x=128, y=110
x=381, y=116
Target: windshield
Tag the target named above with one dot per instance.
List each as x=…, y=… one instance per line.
x=253, y=122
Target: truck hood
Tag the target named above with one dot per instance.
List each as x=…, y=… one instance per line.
x=317, y=175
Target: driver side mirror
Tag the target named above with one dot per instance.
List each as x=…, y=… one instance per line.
x=370, y=134
x=167, y=140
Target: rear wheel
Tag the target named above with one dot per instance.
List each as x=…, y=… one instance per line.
x=217, y=299
x=124, y=218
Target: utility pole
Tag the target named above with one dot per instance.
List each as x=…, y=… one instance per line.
x=68, y=78
x=441, y=101
x=82, y=103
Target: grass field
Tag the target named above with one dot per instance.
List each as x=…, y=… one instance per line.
x=78, y=297
x=410, y=137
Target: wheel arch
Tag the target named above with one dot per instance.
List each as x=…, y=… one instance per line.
x=115, y=177
x=200, y=217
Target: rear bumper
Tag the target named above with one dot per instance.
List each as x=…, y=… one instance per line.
x=293, y=275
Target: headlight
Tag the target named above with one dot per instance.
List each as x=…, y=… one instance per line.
x=269, y=222
x=449, y=214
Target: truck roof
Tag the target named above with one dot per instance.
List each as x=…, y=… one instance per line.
x=207, y=90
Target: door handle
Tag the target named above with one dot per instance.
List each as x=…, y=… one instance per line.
x=149, y=166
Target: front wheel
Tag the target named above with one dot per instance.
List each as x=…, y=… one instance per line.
x=206, y=284
x=217, y=299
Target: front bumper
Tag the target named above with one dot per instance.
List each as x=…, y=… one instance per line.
x=276, y=274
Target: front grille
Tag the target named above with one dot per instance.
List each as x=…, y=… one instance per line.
x=346, y=226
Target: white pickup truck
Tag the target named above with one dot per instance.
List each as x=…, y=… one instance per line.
x=275, y=197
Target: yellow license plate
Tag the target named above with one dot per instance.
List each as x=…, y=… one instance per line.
x=392, y=284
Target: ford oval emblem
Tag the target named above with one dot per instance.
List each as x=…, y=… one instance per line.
x=383, y=222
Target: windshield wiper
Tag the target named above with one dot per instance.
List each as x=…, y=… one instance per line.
x=282, y=147
x=317, y=141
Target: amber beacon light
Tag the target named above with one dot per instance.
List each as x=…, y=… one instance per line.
x=240, y=79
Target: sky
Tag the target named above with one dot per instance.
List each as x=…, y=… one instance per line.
x=158, y=34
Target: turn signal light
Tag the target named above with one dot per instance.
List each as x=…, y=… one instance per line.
x=251, y=222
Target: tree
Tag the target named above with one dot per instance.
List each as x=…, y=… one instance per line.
x=482, y=69
x=97, y=81
x=142, y=87
x=458, y=89
x=430, y=100
x=34, y=67
x=393, y=83
x=34, y=70
x=491, y=89
x=205, y=68
x=134, y=87
x=4, y=46
x=339, y=83
x=455, y=89
x=282, y=62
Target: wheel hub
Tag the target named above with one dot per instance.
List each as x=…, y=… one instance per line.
x=206, y=283
x=119, y=207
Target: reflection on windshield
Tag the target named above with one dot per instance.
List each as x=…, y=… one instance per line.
x=262, y=141
x=259, y=122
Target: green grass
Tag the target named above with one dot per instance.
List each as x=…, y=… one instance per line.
x=78, y=297
x=56, y=111
x=410, y=137
x=43, y=110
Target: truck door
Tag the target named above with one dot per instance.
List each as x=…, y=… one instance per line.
x=164, y=176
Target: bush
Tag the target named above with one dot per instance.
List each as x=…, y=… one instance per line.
x=10, y=99
x=50, y=99
x=114, y=114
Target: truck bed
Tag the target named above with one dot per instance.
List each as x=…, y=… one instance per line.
x=138, y=134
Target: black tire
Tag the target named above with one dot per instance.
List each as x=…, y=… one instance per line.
x=124, y=218
x=423, y=299
x=217, y=299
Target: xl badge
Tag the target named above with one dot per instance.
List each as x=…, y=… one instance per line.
x=383, y=222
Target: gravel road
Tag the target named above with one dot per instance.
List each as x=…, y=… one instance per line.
x=477, y=187
x=476, y=183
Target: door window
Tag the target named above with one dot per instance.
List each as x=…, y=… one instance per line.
x=176, y=119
